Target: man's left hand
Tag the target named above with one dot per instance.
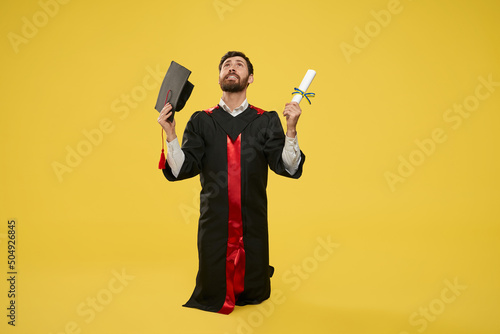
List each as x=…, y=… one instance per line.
x=292, y=113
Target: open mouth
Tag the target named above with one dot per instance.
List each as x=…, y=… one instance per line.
x=232, y=77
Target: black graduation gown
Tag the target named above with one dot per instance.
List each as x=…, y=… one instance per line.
x=232, y=155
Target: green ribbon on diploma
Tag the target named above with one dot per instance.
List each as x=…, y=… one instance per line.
x=306, y=95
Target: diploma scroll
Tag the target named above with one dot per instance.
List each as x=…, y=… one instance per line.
x=304, y=85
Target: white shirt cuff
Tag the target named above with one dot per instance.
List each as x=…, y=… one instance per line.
x=175, y=156
x=291, y=155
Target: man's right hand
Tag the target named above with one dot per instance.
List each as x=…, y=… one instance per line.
x=169, y=127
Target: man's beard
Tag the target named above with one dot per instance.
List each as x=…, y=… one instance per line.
x=234, y=86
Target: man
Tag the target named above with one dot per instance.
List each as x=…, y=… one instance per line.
x=231, y=146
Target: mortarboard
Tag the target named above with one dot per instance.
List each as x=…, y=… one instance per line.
x=175, y=88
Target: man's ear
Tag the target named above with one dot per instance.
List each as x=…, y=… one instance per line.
x=250, y=78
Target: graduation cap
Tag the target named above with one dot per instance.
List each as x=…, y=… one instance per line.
x=175, y=89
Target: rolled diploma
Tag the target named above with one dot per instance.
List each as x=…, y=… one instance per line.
x=304, y=85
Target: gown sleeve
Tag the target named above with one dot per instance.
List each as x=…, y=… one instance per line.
x=193, y=148
x=273, y=149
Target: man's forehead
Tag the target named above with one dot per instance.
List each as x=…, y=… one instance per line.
x=235, y=59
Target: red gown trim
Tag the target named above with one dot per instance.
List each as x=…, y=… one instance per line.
x=209, y=110
x=259, y=111
x=235, y=255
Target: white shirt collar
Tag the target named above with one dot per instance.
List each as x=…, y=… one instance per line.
x=237, y=110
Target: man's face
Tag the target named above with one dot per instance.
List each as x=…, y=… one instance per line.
x=233, y=76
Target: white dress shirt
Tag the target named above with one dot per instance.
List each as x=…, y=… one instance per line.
x=291, y=151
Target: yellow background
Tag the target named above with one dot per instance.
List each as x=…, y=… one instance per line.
x=114, y=212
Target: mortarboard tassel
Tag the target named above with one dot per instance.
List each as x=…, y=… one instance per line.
x=161, y=164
